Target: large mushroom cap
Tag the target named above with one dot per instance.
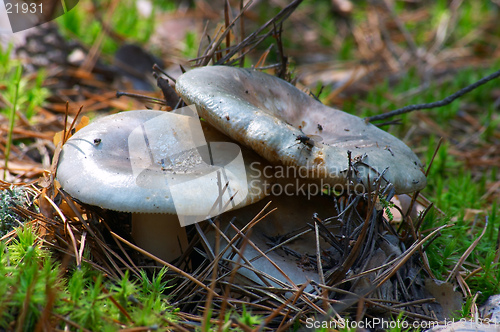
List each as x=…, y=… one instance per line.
x=143, y=161
x=270, y=116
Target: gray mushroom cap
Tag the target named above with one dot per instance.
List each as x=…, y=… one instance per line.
x=268, y=115
x=132, y=162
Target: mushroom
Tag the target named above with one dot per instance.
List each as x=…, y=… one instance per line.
x=157, y=164
x=291, y=215
x=274, y=118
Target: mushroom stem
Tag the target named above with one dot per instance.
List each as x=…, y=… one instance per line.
x=159, y=234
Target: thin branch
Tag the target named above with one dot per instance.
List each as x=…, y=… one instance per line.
x=435, y=104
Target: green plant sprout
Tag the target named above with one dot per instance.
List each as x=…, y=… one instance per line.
x=387, y=205
x=22, y=94
x=12, y=116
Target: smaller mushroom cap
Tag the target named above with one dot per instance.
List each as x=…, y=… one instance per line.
x=155, y=162
x=270, y=116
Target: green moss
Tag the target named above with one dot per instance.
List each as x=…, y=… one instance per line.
x=29, y=277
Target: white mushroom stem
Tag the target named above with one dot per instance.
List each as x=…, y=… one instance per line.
x=159, y=234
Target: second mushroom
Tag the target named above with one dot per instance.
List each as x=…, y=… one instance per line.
x=272, y=117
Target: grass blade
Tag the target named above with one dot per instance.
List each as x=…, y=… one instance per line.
x=12, y=118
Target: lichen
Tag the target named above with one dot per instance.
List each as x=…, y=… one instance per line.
x=11, y=197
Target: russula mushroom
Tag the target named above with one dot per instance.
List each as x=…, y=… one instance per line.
x=156, y=164
x=272, y=117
